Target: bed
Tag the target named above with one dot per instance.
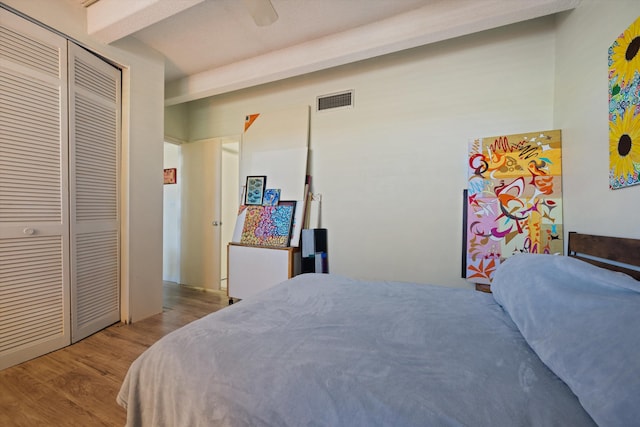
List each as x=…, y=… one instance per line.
x=556, y=344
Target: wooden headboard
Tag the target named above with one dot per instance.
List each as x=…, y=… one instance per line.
x=617, y=249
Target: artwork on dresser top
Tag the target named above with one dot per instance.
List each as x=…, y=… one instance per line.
x=255, y=190
x=268, y=225
x=271, y=197
x=624, y=108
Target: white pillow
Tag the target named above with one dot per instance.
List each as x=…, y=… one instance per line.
x=584, y=323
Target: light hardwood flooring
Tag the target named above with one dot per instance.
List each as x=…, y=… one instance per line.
x=77, y=385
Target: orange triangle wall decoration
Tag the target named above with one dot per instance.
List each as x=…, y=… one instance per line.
x=249, y=119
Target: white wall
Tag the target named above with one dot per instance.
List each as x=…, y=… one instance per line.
x=176, y=125
x=143, y=115
x=581, y=111
x=171, y=222
x=392, y=169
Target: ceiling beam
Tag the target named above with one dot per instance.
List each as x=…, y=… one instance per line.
x=432, y=23
x=111, y=20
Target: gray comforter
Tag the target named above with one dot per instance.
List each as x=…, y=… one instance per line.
x=322, y=350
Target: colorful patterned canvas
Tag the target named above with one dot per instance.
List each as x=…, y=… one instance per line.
x=514, y=200
x=268, y=225
x=624, y=108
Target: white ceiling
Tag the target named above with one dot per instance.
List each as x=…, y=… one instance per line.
x=219, y=32
x=214, y=46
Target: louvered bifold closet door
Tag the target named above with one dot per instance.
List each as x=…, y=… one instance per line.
x=94, y=146
x=34, y=219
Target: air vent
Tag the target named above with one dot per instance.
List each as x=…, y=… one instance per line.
x=335, y=100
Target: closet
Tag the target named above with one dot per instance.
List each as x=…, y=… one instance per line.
x=60, y=114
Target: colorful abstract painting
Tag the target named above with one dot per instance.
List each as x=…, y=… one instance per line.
x=624, y=108
x=268, y=225
x=514, y=200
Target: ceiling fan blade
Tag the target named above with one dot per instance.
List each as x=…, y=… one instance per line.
x=262, y=12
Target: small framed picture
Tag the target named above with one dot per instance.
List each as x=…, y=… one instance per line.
x=271, y=197
x=284, y=219
x=170, y=176
x=255, y=190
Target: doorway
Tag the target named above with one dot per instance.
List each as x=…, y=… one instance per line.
x=200, y=211
x=171, y=215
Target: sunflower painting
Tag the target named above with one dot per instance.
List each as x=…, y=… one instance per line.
x=624, y=108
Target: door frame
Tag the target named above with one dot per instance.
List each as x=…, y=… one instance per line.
x=228, y=214
x=191, y=272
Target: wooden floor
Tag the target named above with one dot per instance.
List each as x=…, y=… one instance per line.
x=77, y=385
